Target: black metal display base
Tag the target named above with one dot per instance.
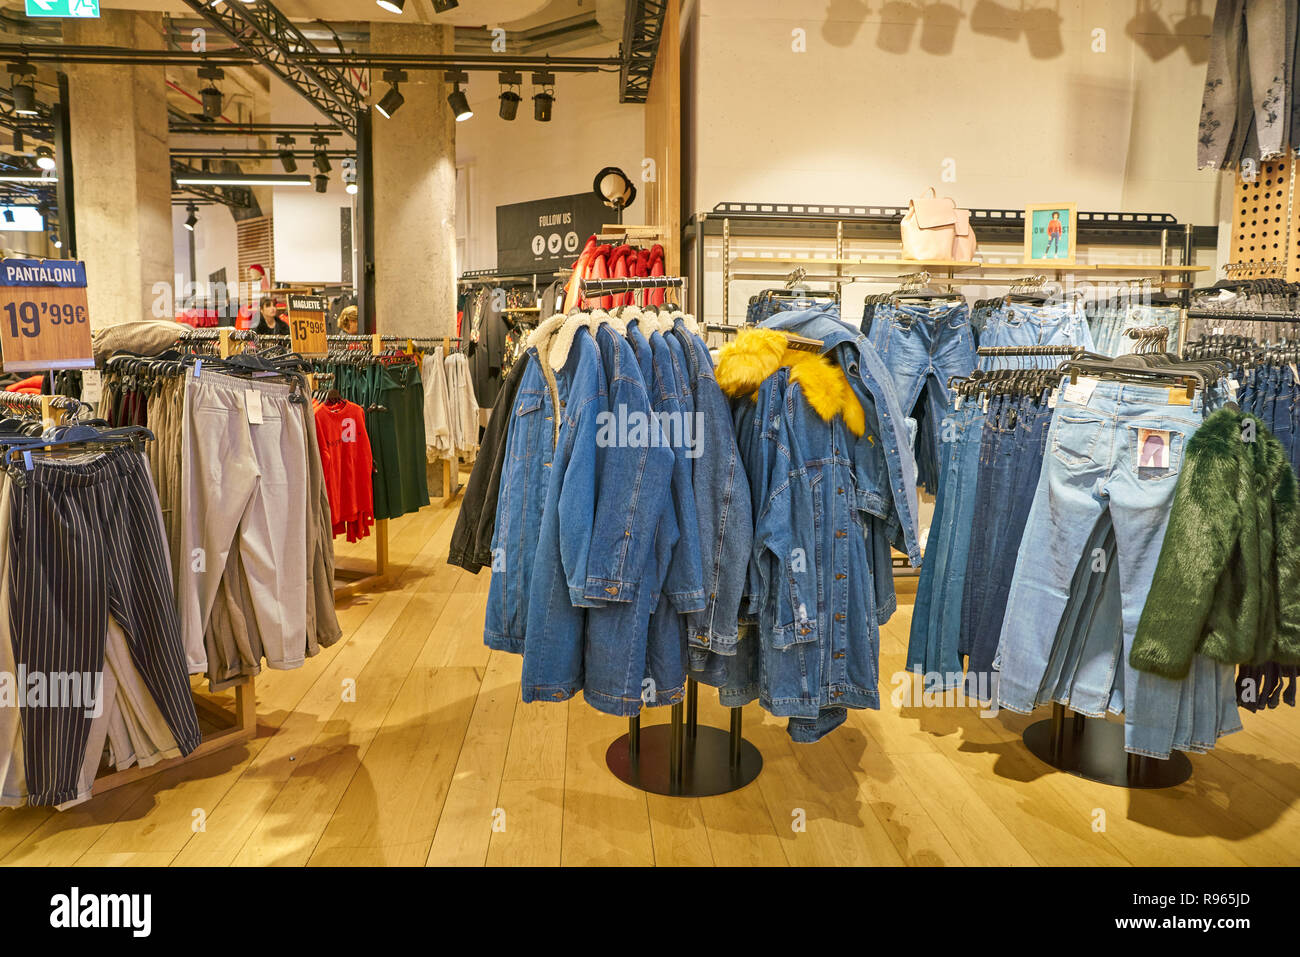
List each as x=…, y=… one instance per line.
x=682, y=759
x=1093, y=748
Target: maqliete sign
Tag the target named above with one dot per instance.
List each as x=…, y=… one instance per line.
x=63, y=8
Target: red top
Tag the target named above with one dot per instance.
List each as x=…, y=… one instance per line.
x=1054, y=227
x=348, y=464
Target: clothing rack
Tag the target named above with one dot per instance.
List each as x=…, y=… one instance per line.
x=356, y=581
x=681, y=758
x=232, y=728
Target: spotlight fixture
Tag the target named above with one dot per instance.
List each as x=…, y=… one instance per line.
x=543, y=99
x=613, y=188
x=349, y=166
x=55, y=241
x=9, y=215
x=45, y=157
x=192, y=219
x=509, y=98
x=23, y=88
x=321, y=160
x=393, y=99
x=210, y=94
x=392, y=6
x=442, y=6
x=457, y=98
x=286, y=144
x=19, y=145
x=322, y=182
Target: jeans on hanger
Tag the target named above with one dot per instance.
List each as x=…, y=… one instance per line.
x=1035, y=324
x=1114, y=451
x=932, y=647
x=1008, y=516
x=923, y=344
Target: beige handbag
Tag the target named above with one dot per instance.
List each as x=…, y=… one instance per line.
x=935, y=229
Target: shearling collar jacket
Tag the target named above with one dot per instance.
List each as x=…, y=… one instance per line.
x=1227, y=584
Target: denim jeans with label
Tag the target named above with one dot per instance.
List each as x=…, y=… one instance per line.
x=1008, y=515
x=1114, y=452
x=923, y=344
x=932, y=647
x=1034, y=324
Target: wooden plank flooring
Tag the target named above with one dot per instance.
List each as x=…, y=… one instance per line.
x=406, y=743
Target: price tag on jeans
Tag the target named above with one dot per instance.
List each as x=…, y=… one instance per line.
x=253, y=403
x=44, y=321
x=1080, y=392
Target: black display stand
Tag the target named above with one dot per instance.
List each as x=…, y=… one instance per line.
x=682, y=759
x=1093, y=748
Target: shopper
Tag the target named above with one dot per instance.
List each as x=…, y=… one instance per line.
x=348, y=320
x=270, y=320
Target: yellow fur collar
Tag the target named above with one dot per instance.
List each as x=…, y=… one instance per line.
x=743, y=366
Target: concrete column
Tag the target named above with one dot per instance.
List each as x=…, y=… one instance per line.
x=415, y=192
x=122, y=169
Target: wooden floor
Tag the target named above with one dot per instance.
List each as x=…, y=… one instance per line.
x=433, y=760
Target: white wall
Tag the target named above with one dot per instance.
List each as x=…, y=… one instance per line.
x=1015, y=106
x=513, y=162
x=308, y=241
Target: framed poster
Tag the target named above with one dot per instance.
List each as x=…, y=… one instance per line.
x=1050, y=233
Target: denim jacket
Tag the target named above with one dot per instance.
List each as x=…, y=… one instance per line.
x=722, y=501
x=525, y=474
x=819, y=470
x=553, y=638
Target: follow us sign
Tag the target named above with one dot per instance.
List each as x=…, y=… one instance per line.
x=63, y=8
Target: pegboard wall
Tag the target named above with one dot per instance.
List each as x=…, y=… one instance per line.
x=1266, y=224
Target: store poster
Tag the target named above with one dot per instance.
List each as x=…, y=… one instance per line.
x=546, y=235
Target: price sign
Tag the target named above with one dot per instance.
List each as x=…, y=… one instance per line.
x=43, y=315
x=307, y=324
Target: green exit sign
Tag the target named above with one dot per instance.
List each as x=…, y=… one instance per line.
x=63, y=8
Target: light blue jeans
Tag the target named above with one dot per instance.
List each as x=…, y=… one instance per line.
x=1031, y=324
x=1113, y=453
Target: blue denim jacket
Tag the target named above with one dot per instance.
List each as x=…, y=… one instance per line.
x=889, y=494
x=722, y=502
x=817, y=486
x=525, y=475
x=635, y=514
x=553, y=638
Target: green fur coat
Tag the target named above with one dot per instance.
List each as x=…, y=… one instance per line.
x=1227, y=584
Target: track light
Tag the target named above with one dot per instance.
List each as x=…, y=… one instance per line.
x=55, y=240
x=457, y=98
x=349, y=166
x=393, y=99
x=45, y=157
x=321, y=159
x=287, y=160
x=543, y=99
x=192, y=219
x=442, y=6
x=509, y=98
x=23, y=88
x=210, y=94
x=322, y=182
x=9, y=215
x=392, y=6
